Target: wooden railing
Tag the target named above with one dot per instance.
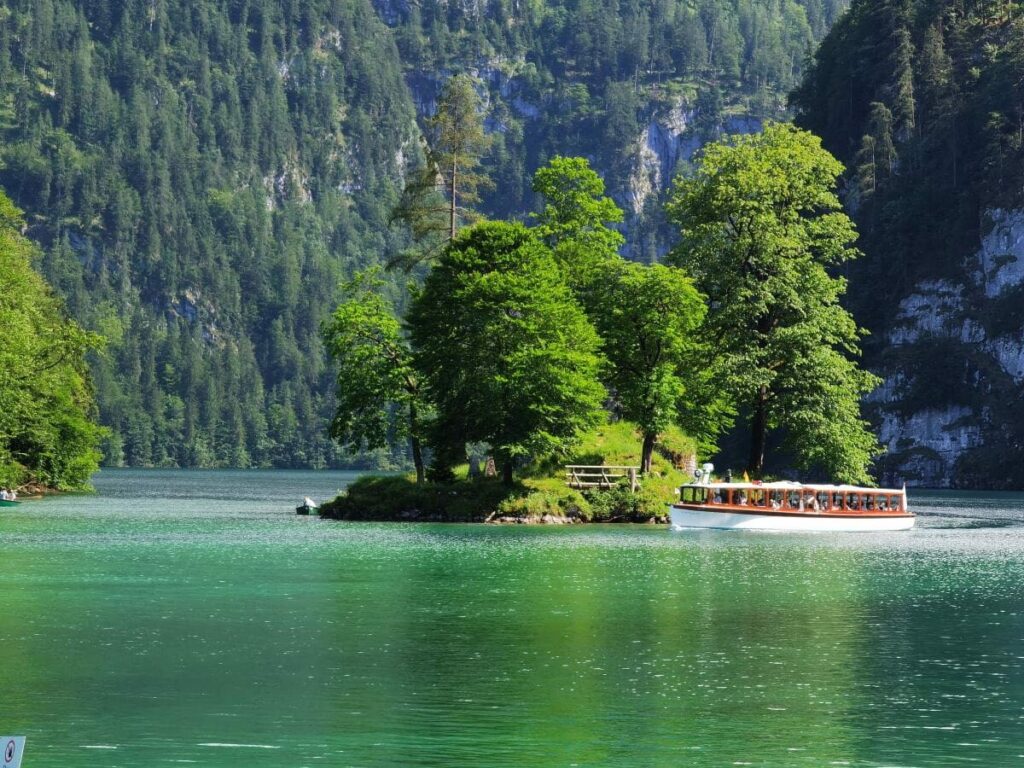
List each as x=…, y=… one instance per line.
x=580, y=476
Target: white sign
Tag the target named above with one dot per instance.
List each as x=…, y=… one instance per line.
x=13, y=748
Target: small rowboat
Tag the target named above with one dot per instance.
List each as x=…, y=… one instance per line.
x=8, y=503
x=786, y=506
x=308, y=507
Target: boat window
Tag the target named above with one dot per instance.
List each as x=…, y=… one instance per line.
x=793, y=499
x=869, y=502
x=776, y=499
x=853, y=501
x=693, y=495
x=824, y=499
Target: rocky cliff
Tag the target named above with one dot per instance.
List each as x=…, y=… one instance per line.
x=923, y=102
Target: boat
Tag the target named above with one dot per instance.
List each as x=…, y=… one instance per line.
x=790, y=506
x=308, y=507
x=9, y=503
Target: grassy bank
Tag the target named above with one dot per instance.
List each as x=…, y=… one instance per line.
x=539, y=494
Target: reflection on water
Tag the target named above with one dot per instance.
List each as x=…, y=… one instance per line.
x=191, y=617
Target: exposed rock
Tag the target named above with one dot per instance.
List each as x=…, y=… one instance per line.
x=926, y=447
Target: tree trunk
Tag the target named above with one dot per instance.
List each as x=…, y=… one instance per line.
x=417, y=459
x=451, y=210
x=758, y=434
x=414, y=443
x=507, y=468
x=647, y=452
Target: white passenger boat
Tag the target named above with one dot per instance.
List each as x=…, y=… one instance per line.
x=787, y=506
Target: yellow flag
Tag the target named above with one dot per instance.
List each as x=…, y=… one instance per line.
x=746, y=477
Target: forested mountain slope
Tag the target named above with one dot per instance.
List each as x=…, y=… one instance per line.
x=924, y=101
x=202, y=174
x=636, y=86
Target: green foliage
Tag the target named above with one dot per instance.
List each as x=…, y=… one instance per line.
x=761, y=225
x=378, y=392
x=201, y=177
x=620, y=504
x=441, y=195
x=958, y=70
x=397, y=497
x=539, y=491
x=565, y=77
x=47, y=430
x=648, y=321
x=508, y=356
x=575, y=221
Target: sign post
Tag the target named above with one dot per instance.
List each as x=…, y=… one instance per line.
x=13, y=748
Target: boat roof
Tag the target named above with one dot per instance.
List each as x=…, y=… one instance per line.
x=789, y=485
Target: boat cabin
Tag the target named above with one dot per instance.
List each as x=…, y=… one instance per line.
x=787, y=497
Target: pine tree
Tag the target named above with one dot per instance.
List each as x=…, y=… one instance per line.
x=439, y=197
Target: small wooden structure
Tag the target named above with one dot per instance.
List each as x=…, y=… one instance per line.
x=581, y=476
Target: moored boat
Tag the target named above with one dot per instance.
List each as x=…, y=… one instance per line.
x=9, y=503
x=788, y=506
x=308, y=507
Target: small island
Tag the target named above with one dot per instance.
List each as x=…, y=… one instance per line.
x=532, y=348
x=541, y=492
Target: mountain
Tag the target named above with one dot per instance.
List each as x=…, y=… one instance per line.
x=924, y=102
x=201, y=175
x=636, y=87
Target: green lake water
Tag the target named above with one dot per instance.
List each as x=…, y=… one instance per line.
x=192, y=618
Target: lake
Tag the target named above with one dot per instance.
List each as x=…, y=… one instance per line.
x=189, y=617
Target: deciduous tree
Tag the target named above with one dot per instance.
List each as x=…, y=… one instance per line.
x=378, y=390
x=47, y=429
x=761, y=226
x=657, y=364
x=508, y=355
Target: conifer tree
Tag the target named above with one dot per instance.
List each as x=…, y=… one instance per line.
x=440, y=196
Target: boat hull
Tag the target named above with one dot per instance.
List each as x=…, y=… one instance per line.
x=682, y=518
x=8, y=503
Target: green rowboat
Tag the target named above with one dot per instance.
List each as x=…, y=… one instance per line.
x=8, y=503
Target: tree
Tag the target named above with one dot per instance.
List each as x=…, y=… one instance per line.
x=760, y=227
x=576, y=208
x=47, y=429
x=440, y=195
x=648, y=322
x=378, y=391
x=507, y=354
x=574, y=221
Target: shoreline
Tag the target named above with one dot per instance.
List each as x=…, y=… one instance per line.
x=400, y=499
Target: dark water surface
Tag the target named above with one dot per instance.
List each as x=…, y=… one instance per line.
x=191, y=618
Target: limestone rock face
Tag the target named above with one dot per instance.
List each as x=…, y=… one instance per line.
x=953, y=369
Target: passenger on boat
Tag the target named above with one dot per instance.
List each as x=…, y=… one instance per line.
x=776, y=504
x=741, y=499
x=717, y=499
